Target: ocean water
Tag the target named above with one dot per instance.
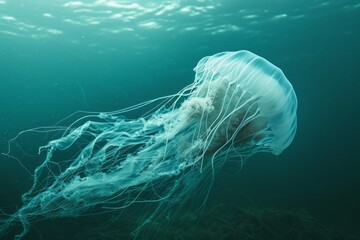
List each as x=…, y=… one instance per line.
x=58, y=57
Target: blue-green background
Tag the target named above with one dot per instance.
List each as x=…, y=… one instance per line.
x=57, y=57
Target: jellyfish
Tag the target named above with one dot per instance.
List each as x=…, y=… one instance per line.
x=239, y=104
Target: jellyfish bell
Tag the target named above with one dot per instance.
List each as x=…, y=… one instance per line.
x=238, y=105
x=244, y=102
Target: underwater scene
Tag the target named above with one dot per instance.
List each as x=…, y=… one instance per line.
x=180, y=119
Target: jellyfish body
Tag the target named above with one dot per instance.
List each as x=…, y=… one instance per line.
x=239, y=104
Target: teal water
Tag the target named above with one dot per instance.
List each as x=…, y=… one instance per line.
x=58, y=57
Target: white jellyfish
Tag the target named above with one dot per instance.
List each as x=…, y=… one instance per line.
x=238, y=105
